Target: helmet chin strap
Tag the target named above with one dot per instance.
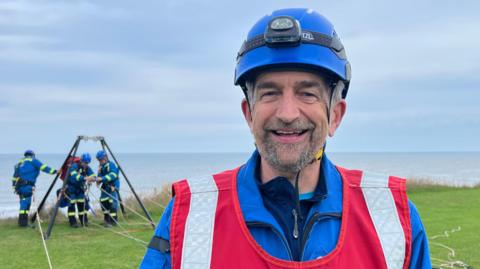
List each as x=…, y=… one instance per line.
x=318, y=156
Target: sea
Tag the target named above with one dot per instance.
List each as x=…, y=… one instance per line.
x=148, y=172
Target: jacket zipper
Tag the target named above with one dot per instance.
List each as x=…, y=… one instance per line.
x=311, y=223
x=266, y=225
x=295, y=224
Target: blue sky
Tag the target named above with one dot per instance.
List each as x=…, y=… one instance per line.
x=157, y=76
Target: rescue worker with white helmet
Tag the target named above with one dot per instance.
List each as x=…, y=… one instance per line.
x=289, y=206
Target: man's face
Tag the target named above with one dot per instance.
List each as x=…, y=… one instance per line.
x=84, y=165
x=103, y=161
x=288, y=118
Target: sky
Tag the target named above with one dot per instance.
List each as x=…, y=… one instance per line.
x=157, y=76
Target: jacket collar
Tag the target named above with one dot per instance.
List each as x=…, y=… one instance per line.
x=251, y=203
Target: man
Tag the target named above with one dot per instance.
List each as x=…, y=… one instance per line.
x=289, y=206
x=24, y=178
x=78, y=174
x=108, y=177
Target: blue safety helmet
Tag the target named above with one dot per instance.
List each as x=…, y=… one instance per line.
x=29, y=153
x=101, y=154
x=85, y=158
x=293, y=38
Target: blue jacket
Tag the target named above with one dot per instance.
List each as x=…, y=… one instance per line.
x=76, y=176
x=29, y=168
x=109, y=174
x=269, y=234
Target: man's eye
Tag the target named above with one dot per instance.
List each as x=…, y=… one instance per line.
x=269, y=94
x=308, y=96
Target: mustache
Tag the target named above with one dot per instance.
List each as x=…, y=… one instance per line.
x=277, y=124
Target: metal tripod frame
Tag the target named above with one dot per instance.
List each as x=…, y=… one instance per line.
x=68, y=162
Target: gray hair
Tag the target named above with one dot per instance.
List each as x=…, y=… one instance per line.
x=249, y=88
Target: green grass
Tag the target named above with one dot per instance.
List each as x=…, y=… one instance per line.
x=92, y=247
x=455, y=214
x=442, y=209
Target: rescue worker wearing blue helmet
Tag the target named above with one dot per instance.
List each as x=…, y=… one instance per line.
x=75, y=189
x=24, y=178
x=109, y=178
x=292, y=207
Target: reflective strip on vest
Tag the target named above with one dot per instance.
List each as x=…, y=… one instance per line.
x=198, y=240
x=383, y=212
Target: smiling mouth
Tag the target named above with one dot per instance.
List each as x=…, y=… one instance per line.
x=289, y=136
x=289, y=132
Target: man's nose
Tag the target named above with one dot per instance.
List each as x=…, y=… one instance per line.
x=288, y=110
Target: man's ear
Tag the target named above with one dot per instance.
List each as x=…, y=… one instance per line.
x=247, y=113
x=337, y=113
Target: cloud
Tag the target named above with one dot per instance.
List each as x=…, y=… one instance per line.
x=46, y=13
x=162, y=72
x=427, y=50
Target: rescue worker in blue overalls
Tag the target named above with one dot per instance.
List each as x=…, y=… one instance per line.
x=108, y=176
x=76, y=186
x=24, y=178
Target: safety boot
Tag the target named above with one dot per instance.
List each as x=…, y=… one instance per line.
x=23, y=220
x=114, y=220
x=84, y=220
x=106, y=221
x=73, y=221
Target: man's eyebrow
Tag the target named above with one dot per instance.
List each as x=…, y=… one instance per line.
x=267, y=85
x=308, y=84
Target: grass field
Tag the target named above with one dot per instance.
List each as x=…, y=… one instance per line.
x=451, y=217
x=453, y=213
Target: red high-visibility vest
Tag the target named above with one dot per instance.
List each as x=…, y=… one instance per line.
x=207, y=228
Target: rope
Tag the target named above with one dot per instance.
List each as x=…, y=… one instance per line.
x=143, y=243
x=87, y=200
x=96, y=199
x=101, y=206
x=131, y=209
x=43, y=238
x=149, y=199
x=137, y=224
x=450, y=262
x=125, y=233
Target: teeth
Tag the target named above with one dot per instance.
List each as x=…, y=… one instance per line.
x=288, y=132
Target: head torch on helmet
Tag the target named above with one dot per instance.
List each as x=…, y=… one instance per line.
x=283, y=31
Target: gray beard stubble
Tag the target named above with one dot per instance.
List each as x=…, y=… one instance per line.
x=270, y=149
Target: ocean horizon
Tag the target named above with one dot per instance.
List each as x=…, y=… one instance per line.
x=150, y=171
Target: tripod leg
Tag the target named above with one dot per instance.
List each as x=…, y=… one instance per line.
x=44, y=199
x=57, y=204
